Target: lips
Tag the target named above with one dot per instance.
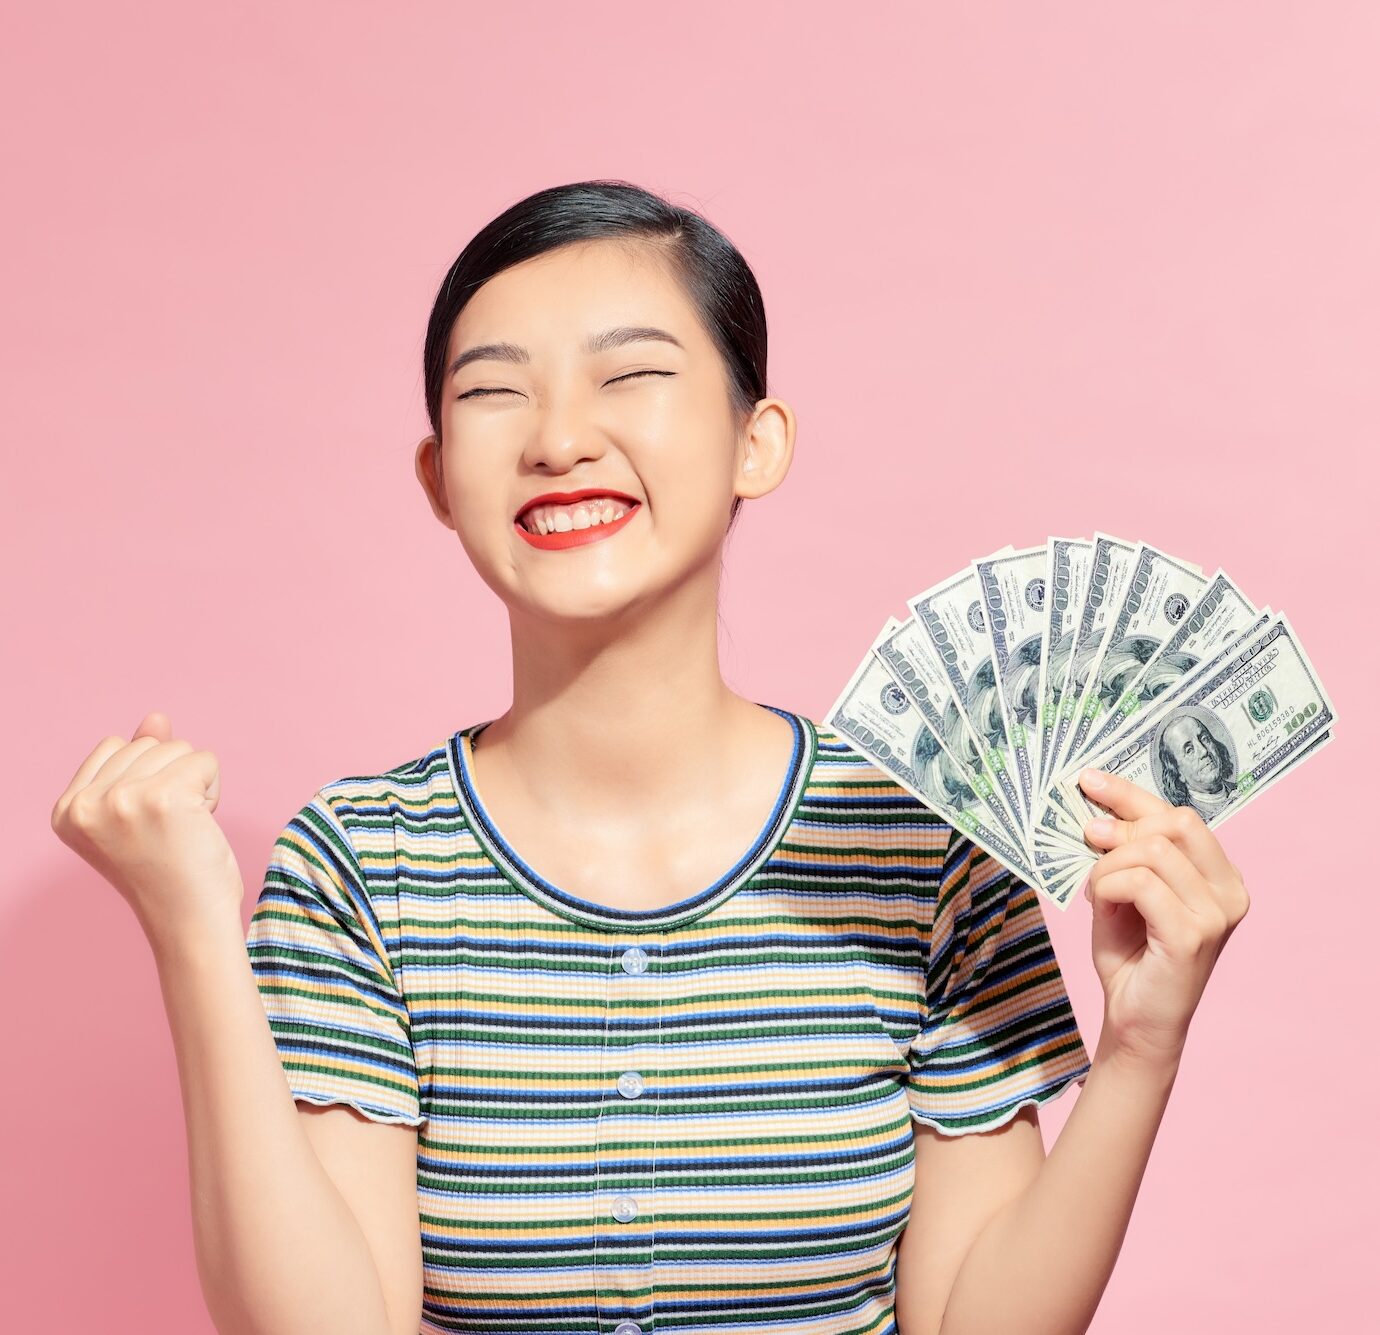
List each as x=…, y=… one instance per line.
x=570, y=497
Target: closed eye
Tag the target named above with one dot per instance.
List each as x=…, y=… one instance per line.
x=631, y=374
x=486, y=390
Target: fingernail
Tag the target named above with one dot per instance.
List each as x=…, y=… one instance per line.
x=1092, y=778
x=1101, y=828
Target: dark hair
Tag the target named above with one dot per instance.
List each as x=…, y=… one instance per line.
x=715, y=276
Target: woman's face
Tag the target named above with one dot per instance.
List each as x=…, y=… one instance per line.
x=551, y=410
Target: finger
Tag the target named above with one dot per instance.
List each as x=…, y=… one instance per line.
x=154, y=724
x=156, y=758
x=119, y=761
x=1165, y=914
x=1125, y=799
x=99, y=754
x=204, y=766
x=1171, y=864
x=1182, y=825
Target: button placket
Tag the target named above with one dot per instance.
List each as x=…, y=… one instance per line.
x=631, y=1058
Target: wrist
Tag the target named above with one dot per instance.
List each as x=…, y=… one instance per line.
x=1154, y=1070
x=190, y=942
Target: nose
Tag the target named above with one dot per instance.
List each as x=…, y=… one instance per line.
x=563, y=436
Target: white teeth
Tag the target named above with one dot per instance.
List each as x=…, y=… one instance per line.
x=564, y=518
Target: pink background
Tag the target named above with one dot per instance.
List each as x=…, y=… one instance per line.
x=1029, y=270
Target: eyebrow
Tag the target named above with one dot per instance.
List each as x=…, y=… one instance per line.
x=602, y=342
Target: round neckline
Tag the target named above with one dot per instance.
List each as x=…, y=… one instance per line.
x=460, y=754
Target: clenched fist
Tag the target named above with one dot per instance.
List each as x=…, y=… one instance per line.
x=141, y=813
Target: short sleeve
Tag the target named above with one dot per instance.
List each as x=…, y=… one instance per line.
x=328, y=986
x=997, y=1030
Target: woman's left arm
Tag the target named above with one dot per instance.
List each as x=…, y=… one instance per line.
x=1165, y=899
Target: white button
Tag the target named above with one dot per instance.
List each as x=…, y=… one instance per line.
x=624, y=1209
x=630, y=1084
x=627, y=1328
x=634, y=960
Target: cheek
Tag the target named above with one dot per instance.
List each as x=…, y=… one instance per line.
x=685, y=471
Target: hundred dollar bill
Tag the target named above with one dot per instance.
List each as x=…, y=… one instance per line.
x=1066, y=577
x=1158, y=593
x=905, y=651
x=1225, y=732
x=1172, y=684
x=876, y=717
x=1110, y=565
x=1221, y=613
x=951, y=616
x=1013, y=598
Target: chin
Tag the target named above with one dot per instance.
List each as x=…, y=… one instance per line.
x=582, y=606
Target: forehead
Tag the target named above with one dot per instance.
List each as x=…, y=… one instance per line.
x=1183, y=730
x=562, y=296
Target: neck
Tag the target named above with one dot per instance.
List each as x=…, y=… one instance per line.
x=629, y=712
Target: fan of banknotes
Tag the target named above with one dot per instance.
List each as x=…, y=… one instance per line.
x=1008, y=678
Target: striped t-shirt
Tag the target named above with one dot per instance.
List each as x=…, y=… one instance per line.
x=696, y=1118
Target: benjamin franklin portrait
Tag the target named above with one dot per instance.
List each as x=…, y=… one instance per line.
x=1058, y=665
x=1164, y=672
x=1193, y=762
x=984, y=705
x=1123, y=662
x=1022, y=681
x=938, y=777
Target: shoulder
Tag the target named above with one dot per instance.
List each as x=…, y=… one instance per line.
x=374, y=807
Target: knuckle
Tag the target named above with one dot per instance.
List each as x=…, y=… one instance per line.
x=1159, y=845
x=123, y=803
x=1186, y=820
x=81, y=810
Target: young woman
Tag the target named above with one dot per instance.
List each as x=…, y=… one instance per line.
x=642, y=1007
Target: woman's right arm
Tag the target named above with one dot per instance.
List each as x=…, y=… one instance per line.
x=279, y=1249
x=279, y=1242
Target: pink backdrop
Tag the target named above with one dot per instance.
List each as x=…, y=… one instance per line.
x=1029, y=270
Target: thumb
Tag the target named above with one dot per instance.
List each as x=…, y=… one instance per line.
x=154, y=724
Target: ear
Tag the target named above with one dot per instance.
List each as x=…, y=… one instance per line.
x=765, y=449
x=431, y=475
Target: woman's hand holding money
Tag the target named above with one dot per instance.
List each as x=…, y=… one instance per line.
x=1163, y=862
